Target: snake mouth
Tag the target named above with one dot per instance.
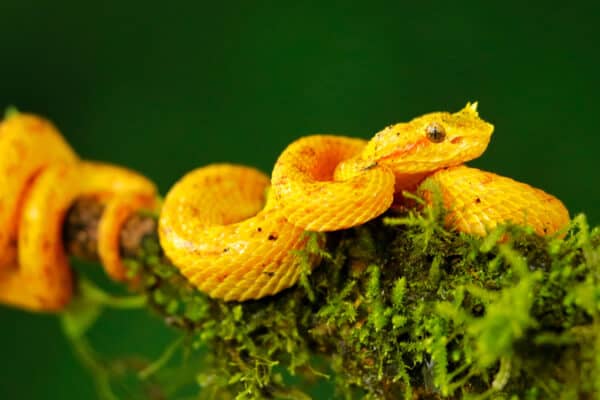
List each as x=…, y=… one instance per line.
x=406, y=150
x=418, y=166
x=370, y=166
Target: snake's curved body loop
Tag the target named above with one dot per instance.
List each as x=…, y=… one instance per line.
x=478, y=201
x=308, y=194
x=41, y=187
x=27, y=145
x=214, y=226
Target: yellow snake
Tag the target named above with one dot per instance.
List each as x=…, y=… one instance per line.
x=219, y=226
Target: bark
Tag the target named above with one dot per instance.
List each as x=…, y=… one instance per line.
x=81, y=227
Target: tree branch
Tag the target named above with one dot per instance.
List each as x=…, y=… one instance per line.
x=81, y=226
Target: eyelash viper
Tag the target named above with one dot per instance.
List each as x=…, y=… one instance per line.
x=221, y=225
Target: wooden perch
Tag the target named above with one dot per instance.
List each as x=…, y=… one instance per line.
x=81, y=226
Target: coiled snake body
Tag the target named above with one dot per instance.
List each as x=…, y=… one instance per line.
x=218, y=225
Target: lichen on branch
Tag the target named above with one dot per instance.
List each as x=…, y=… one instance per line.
x=399, y=308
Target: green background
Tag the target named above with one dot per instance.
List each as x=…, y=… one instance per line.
x=167, y=88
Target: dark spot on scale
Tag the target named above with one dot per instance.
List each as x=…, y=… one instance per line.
x=46, y=246
x=272, y=236
x=259, y=229
x=370, y=166
x=269, y=273
x=545, y=230
x=308, y=152
x=478, y=200
x=226, y=249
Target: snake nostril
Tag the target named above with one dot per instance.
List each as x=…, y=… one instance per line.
x=457, y=140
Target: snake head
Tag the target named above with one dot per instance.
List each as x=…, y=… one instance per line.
x=431, y=141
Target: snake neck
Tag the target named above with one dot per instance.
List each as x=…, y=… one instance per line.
x=354, y=166
x=407, y=183
x=404, y=182
x=351, y=167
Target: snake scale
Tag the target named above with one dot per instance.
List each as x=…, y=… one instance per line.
x=232, y=231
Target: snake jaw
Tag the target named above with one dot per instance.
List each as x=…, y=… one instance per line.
x=370, y=166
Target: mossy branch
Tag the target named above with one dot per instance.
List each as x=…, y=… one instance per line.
x=400, y=308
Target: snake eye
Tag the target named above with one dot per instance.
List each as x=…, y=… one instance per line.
x=435, y=132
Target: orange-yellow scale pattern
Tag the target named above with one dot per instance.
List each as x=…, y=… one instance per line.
x=215, y=228
x=41, y=178
x=27, y=145
x=478, y=201
x=308, y=195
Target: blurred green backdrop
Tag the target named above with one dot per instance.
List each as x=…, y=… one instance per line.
x=166, y=88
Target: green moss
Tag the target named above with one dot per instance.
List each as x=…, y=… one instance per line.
x=402, y=308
